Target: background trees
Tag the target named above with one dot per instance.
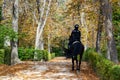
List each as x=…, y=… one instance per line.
x=40, y=30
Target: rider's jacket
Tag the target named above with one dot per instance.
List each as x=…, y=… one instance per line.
x=75, y=36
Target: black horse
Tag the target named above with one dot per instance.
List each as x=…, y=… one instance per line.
x=76, y=48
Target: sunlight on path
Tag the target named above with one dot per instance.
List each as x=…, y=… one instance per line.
x=56, y=69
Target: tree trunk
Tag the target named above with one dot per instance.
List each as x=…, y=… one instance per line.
x=98, y=37
x=49, y=47
x=41, y=24
x=14, y=46
x=83, y=23
x=100, y=26
x=41, y=46
x=3, y=7
x=107, y=14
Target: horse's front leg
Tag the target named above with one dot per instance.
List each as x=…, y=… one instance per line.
x=72, y=62
x=80, y=61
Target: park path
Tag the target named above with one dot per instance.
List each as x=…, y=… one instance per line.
x=58, y=68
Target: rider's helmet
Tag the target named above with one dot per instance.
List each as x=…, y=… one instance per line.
x=76, y=26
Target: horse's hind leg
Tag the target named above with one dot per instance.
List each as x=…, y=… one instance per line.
x=80, y=61
x=72, y=62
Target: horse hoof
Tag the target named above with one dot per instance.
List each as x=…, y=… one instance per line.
x=72, y=68
x=78, y=69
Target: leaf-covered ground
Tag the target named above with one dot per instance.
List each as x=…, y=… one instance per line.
x=57, y=69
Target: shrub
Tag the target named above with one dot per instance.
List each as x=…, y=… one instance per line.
x=115, y=72
x=49, y=56
x=43, y=54
x=86, y=54
x=46, y=55
x=28, y=54
x=2, y=52
x=102, y=66
x=7, y=58
x=58, y=51
x=94, y=58
x=39, y=54
x=118, y=49
x=53, y=55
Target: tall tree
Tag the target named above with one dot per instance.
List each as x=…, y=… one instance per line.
x=84, y=24
x=14, y=41
x=99, y=30
x=41, y=22
x=107, y=21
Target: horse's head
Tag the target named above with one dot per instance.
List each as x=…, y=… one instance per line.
x=67, y=53
x=65, y=50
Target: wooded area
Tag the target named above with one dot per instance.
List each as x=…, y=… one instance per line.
x=36, y=30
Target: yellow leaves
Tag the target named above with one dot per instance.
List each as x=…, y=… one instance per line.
x=113, y=1
x=28, y=32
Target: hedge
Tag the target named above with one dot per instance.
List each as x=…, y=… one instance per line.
x=24, y=54
x=118, y=50
x=28, y=54
x=2, y=52
x=115, y=72
x=7, y=57
x=104, y=68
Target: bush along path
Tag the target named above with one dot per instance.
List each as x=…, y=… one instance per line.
x=58, y=68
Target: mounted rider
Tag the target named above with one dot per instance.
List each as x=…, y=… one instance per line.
x=74, y=37
x=76, y=48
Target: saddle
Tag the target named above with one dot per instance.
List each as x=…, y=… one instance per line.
x=76, y=42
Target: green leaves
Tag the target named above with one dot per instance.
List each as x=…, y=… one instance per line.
x=2, y=52
x=7, y=31
x=104, y=68
x=28, y=54
x=115, y=72
x=116, y=22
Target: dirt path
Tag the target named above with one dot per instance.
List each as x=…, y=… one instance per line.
x=56, y=69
